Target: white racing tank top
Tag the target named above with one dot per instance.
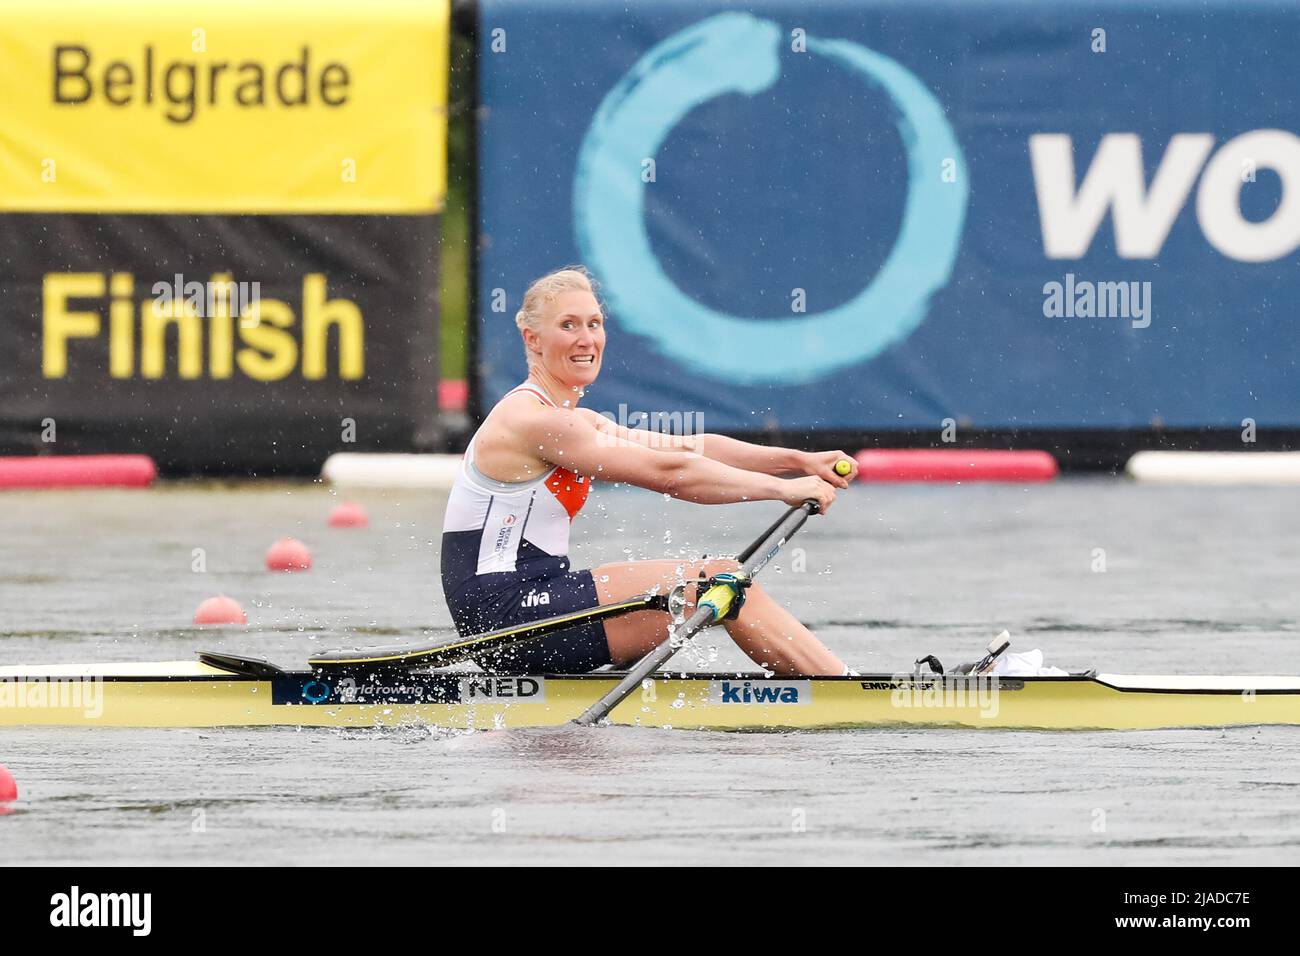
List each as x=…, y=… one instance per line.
x=516, y=529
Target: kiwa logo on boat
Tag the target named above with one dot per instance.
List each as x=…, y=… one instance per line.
x=760, y=692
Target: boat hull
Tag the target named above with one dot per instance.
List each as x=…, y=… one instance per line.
x=188, y=694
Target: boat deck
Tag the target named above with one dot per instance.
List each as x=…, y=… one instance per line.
x=198, y=694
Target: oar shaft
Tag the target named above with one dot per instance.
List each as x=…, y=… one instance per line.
x=456, y=649
x=752, y=560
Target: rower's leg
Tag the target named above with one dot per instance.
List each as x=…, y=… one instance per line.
x=776, y=639
x=769, y=634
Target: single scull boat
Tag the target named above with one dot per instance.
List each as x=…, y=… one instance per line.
x=228, y=691
x=387, y=686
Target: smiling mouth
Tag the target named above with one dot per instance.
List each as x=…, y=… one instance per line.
x=584, y=359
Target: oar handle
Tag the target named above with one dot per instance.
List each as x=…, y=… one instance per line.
x=809, y=506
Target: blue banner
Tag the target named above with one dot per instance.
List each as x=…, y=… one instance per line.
x=841, y=216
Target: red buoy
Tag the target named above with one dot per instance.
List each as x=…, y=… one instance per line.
x=348, y=514
x=8, y=787
x=954, y=464
x=453, y=394
x=77, y=471
x=288, y=554
x=220, y=610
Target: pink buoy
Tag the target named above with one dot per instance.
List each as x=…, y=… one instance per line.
x=77, y=471
x=220, y=610
x=954, y=464
x=8, y=787
x=348, y=514
x=288, y=554
x=453, y=394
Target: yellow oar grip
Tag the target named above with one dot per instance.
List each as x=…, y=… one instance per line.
x=843, y=467
x=719, y=597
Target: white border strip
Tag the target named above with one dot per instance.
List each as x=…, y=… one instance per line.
x=1216, y=468
x=354, y=470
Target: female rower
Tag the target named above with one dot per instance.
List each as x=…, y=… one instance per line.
x=527, y=472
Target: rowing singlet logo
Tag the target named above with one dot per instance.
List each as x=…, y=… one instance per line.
x=533, y=599
x=504, y=534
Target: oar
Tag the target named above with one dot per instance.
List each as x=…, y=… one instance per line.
x=711, y=606
x=453, y=650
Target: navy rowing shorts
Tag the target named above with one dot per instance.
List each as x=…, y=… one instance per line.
x=576, y=650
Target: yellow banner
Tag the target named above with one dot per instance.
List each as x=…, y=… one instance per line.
x=223, y=106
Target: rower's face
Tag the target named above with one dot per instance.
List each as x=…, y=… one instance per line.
x=571, y=339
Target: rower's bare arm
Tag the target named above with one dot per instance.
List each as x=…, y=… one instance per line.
x=768, y=459
x=765, y=459
x=778, y=461
x=655, y=441
x=569, y=438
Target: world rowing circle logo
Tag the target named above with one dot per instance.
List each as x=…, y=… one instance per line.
x=315, y=691
x=739, y=53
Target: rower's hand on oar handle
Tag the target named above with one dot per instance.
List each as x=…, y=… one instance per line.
x=796, y=491
x=835, y=467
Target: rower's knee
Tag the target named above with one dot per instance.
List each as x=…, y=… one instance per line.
x=705, y=570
